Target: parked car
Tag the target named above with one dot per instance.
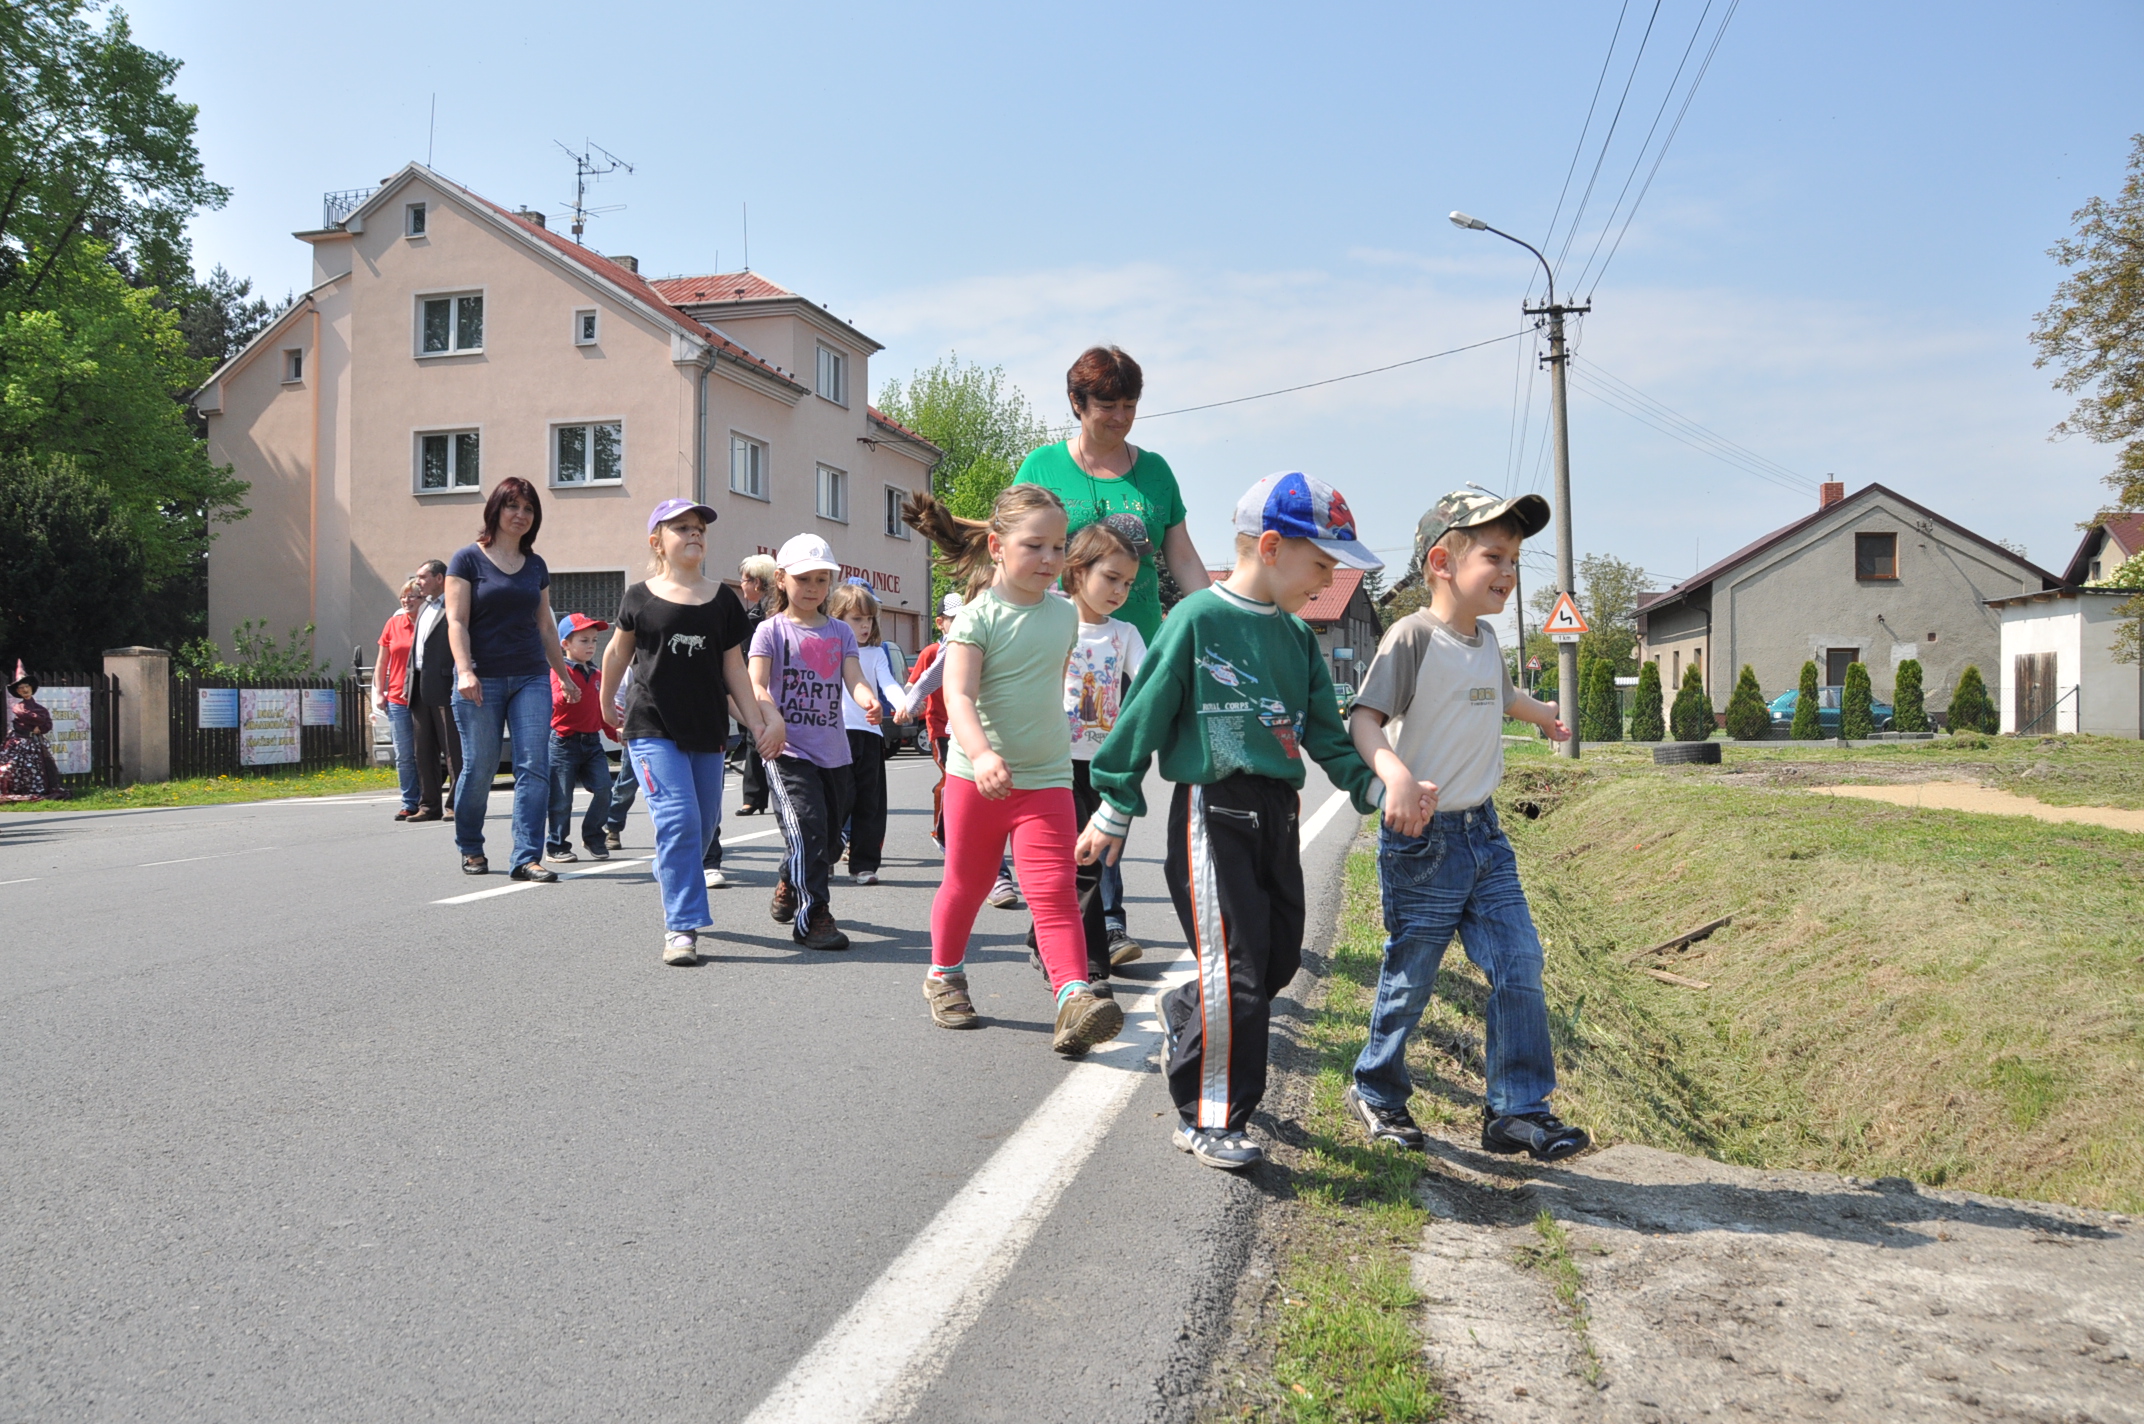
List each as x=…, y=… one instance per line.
x=1344, y=693
x=1827, y=710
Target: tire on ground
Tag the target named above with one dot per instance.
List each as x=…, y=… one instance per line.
x=1686, y=753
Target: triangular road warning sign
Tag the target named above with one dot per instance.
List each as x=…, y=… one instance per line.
x=1565, y=618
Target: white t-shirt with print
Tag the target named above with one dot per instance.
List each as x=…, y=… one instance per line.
x=1447, y=694
x=878, y=675
x=1103, y=663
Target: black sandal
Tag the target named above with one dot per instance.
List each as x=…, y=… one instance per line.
x=475, y=865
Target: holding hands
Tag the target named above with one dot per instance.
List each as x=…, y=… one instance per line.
x=1409, y=804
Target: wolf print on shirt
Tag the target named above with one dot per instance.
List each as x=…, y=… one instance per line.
x=687, y=643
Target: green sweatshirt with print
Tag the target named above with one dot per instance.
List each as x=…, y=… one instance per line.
x=1230, y=685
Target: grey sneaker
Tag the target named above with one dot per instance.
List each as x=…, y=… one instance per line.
x=866, y=877
x=681, y=947
x=950, y=1005
x=1230, y=1151
x=1004, y=895
x=1397, y=1128
x=564, y=853
x=1542, y=1136
x=715, y=878
x=1083, y=1020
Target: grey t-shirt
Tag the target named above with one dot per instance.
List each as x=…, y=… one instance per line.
x=1447, y=695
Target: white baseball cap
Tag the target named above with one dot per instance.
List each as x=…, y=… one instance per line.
x=805, y=553
x=951, y=604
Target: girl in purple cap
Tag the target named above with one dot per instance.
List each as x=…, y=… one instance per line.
x=682, y=633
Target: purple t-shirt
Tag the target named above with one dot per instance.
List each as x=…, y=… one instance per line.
x=806, y=682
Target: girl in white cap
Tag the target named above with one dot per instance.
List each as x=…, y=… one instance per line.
x=801, y=660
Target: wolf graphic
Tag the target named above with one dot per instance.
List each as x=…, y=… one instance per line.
x=687, y=643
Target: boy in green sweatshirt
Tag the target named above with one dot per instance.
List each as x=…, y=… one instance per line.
x=1232, y=693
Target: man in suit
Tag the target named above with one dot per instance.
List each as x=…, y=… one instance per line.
x=429, y=689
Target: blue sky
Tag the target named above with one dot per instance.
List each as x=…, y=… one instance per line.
x=1836, y=267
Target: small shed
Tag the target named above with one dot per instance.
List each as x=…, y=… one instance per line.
x=2058, y=672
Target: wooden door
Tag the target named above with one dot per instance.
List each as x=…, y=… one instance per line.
x=2033, y=693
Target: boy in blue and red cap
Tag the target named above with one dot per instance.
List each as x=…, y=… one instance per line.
x=1230, y=696
x=577, y=756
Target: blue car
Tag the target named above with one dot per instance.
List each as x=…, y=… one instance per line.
x=1827, y=710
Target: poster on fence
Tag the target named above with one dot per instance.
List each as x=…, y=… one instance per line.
x=319, y=707
x=216, y=708
x=69, y=741
x=267, y=726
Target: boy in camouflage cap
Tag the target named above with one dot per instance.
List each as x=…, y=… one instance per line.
x=1431, y=708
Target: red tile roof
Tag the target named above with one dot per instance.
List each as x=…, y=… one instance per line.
x=894, y=425
x=720, y=287
x=2128, y=531
x=1328, y=604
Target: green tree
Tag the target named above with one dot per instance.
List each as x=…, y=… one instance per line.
x=1808, y=717
x=93, y=146
x=1971, y=709
x=1910, y=710
x=219, y=316
x=255, y=657
x=2093, y=330
x=71, y=580
x=1646, y=724
x=1600, y=712
x=1856, y=721
x=1691, y=717
x=1609, y=603
x=1748, y=719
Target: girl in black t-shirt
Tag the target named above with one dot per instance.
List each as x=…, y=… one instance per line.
x=682, y=634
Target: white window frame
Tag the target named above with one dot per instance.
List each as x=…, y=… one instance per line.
x=766, y=483
x=454, y=325
x=588, y=447
x=293, y=365
x=895, y=529
x=587, y=326
x=448, y=433
x=838, y=361
x=414, y=224
x=835, y=482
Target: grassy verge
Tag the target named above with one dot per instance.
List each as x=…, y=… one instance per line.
x=217, y=790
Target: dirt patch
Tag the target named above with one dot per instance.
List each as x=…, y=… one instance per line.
x=1958, y=796
x=1713, y=1290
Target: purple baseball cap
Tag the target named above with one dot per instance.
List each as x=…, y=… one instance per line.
x=670, y=509
x=1295, y=506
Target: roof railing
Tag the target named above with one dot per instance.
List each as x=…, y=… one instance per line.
x=334, y=207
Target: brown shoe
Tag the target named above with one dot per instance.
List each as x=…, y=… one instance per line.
x=783, y=907
x=1085, y=1020
x=820, y=931
x=950, y=1005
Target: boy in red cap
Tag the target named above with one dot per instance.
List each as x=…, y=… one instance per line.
x=577, y=756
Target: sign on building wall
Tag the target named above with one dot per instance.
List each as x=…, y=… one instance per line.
x=319, y=707
x=69, y=741
x=267, y=726
x=216, y=708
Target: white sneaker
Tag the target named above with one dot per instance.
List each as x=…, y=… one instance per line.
x=681, y=947
x=866, y=877
x=716, y=880
x=1004, y=895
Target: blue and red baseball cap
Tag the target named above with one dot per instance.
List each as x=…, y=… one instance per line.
x=1295, y=506
x=578, y=623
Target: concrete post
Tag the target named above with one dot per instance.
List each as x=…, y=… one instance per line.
x=144, y=712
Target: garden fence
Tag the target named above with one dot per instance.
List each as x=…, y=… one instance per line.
x=225, y=727
x=85, y=726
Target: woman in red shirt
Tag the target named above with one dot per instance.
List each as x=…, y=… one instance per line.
x=390, y=696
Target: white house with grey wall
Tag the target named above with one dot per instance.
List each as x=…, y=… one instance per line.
x=1872, y=577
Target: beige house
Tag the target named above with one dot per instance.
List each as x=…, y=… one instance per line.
x=448, y=343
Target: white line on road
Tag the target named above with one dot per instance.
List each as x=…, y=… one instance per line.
x=603, y=869
x=220, y=855
x=24, y=881
x=1321, y=818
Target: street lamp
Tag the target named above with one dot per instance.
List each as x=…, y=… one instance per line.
x=1566, y=653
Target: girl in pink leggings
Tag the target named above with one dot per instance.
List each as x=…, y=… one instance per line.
x=1009, y=770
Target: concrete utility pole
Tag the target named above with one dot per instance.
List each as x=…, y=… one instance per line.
x=1566, y=561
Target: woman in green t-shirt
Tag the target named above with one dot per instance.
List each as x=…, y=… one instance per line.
x=1097, y=473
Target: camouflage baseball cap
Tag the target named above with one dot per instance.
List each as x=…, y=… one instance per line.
x=1463, y=509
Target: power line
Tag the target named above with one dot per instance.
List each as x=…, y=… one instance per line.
x=1661, y=408
x=1682, y=429
x=1583, y=129
x=1334, y=380
x=1578, y=216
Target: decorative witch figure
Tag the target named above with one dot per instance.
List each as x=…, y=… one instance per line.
x=27, y=771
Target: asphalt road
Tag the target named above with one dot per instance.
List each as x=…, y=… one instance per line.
x=288, y=1135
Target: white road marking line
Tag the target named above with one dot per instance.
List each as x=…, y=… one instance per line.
x=602, y=868
x=880, y=1357
x=755, y=836
x=220, y=855
x=1321, y=818
x=24, y=881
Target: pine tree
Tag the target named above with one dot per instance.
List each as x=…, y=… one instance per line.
x=1646, y=723
x=1691, y=717
x=1912, y=713
x=1856, y=721
x=1601, y=711
x=1748, y=719
x=1971, y=709
x=1808, y=723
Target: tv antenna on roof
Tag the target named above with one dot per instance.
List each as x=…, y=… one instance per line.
x=594, y=161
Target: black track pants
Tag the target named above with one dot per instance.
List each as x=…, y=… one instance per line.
x=811, y=802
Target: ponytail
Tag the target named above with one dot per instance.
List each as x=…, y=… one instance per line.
x=964, y=544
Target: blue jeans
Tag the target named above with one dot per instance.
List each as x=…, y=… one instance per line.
x=1113, y=896
x=524, y=704
x=1458, y=876
x=404, y=732
x=578, y=760
x=684, y=791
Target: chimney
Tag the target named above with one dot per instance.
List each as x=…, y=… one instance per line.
x=1834, y=491
x=630, y=264
x=529, y=215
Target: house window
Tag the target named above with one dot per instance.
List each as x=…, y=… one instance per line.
x=293, y=367
x=588, y=454
x=833, y=494
x=596, y=594
x=895, y=529
x=584, y=327
x=447, y=461
x=451, y=325
x=1875, y=556
x=413, y=220
x=748, y=467
x=833, y=375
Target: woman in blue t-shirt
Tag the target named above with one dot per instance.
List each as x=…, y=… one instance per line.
x=505, y=644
